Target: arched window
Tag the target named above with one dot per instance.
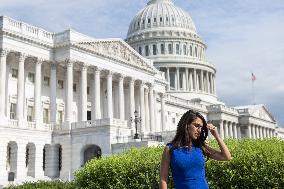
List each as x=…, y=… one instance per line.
x=27, y=155
x=140, y=50
x=149, y=20
x=190, y=50
x=161, y=19
x=195, y=51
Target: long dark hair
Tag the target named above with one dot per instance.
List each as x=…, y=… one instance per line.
x=182, y=137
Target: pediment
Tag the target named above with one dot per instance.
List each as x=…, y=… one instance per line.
x=262, y=113
x=118, y=50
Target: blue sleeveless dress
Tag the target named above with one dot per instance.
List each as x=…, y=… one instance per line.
x=188, y=168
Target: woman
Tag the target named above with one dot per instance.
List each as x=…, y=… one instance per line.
x=185, y=154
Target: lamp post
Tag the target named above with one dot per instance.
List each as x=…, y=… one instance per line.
x=136, y=120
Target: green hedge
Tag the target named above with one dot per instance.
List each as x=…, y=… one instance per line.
x=44, y=185
x=256, y=164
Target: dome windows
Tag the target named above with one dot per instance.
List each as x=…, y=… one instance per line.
x=154, y=49
x=146, y=50
x=162, y=49
x=170, y=48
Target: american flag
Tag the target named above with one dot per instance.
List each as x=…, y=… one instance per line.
x=253, y=77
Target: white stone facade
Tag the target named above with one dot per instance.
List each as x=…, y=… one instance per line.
x=66, y=97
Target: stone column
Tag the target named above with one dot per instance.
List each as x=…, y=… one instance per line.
x=186, y=80
x=208, y=82
x=39, y=173
x=21, y=157
x=69, y=91
x=253, y=131
x=83, y=95
x=121, y=98
x=142, y=108
x=257, y=131
x=230, y=129
x=96, y=95
x=178, y=79
x=202, y=81
x=156, y=127
x=222, y=129
x=211, y=83
x=239, y=131
x=131, y=100
x=168, y=79
x=21, y=88
x=53, y=87
x=190, y=81
x=235, y=130
x=151, y=108
x=147, y=115
x=163, y=113
x=260, y=132
x=226, y=128
x=37, y=93
x=109, y=96
x=3, y=63
x=214, y=85
x=249, y=131
x=264, y=132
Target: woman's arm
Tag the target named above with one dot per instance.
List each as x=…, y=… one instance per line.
x=224, y=154
x=164, y=171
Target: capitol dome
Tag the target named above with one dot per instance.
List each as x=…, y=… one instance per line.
x=166, y=34
x=161, y=14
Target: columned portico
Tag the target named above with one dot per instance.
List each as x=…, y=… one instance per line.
x=142, y=107
x=131, y=100
x=152, y=109
x=163, y=113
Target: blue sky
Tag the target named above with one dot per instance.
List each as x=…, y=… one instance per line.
x=242, y=37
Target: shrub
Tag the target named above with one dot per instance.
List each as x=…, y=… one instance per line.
x=255, y=164
x=44, y=185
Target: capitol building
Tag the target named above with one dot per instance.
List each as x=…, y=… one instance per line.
x=66, y=97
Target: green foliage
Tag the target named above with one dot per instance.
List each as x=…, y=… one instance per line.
x=256, y=164
x=44, y=185
x=136, y=168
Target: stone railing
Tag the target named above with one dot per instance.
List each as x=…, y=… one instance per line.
x=31, y=125
x=182, y=101
x=221, y=108
x=13, y=123
x=99, y=122
x=9, y=24
x=243, y=111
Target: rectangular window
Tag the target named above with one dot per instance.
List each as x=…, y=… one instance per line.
x=154, y=49
x=88, y=90
x=184, y=49
x=74, y=87
x=31, y=77
x=60, y=84
x=59, y=117
x=46, y=81
x=162, y=49
x=140, y=50
x=13, y=111
x=170, y=48
x=45, y=115
x=177, y=48
x=147, y=50
x=30, y=113
x=14, y=73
